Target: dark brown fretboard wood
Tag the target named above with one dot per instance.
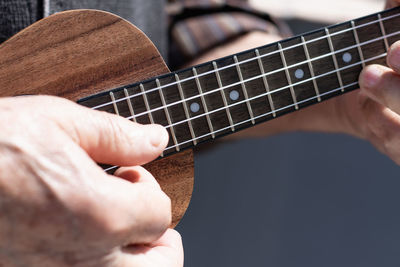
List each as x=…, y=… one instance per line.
x=223, y=96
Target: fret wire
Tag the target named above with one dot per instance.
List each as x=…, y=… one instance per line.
x=280, y=109
x=128, y=100
x=268, y=54
x=260, y=116
x=246, y=96
x=285, y=87
x=259, y=76
x=146, y=102
x=203, y=101
x=114, y=103
x=283, y=108
x=303, y=100
x=288, y=77
x=275, y=71
x=185, y=107
x=266, y=85
x=383, y=32
x=358, y=42
x=310, y=66
x=168, y=116
x=228, y=113
x=339, y=76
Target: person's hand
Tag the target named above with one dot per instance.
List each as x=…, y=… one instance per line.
x=59, y=208
x=373, y=112
x=392, y=3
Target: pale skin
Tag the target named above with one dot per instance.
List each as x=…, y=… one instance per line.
x=58, y=208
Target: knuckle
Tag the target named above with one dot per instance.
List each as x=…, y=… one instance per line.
x=109, y=221
x=163, y=208
x=151, y=214
x=159, y=211
x=111, y=133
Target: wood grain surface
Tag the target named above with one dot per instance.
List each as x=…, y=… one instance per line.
x=75, y=54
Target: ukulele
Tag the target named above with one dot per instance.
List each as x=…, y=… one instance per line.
x=105, y=63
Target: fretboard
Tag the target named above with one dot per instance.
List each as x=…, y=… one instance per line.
x=232, y=93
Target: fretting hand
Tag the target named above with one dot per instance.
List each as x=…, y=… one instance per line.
x=58, y=208
x=374, y=111
x=392, y=3
x=371, y=113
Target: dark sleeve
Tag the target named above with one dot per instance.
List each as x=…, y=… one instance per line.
x=196, y=27
x=16, y=15
x=148, y=15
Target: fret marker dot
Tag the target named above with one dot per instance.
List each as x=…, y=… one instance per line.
x=299, y=73
x=346, y=57
x=194, y=107
x=234, y=95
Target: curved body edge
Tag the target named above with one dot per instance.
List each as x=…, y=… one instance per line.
x=78, y=53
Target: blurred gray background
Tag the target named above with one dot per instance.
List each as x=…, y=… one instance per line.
x=293, y=200
x=300, y=199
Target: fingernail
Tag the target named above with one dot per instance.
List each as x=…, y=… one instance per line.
x=394, y=56
x=371, y=76
x=157, y=134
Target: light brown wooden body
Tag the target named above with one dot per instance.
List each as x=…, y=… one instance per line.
x=75, y=54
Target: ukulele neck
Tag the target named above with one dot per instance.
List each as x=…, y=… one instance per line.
x=232, y=93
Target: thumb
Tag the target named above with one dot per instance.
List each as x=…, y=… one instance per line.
x=166, y=251
x=108, y=138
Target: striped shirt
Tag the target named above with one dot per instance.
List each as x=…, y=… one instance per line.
x=199, y=25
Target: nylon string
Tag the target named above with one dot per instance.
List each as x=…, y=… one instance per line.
x=256, y=58
x=257, y=117
x=271, y=92
x=248, y=120
x=264, y=94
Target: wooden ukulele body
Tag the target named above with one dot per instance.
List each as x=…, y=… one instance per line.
x=79, y=53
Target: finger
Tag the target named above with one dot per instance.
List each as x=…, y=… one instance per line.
x=171, y=238
x=137, y=174
x=116, y=209
x=392, y=3
x=384, y=126
x=131, y=213
x=393, y=58
x=109, y=138
x=381, y=84
x=112, y=139
x=167, y=251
